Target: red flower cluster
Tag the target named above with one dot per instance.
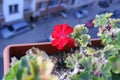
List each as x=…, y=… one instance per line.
x=60, y=36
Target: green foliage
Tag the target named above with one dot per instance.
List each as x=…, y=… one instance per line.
x=80, y=35
x=72, y=60
x=110, y=50
x=90, y=67
x=106, y=71
x=102, y=20
x=86, y=63
x=114, y=22
x=110, y=36
x=116, y=66
x=82, y=76
x=31, y=67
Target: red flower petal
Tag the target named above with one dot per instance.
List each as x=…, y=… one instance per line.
x=55, y=42
x=55, y=34
x=64, y=27
x=68, y=30
x=62, y=42
x=60, y=35
x=58, y=28
x=71, y=42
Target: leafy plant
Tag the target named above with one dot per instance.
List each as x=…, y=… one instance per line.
x=96, y=64
x=32, y=67
x=88, y=63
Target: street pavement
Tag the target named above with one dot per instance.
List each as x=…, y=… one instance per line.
x=45, y=26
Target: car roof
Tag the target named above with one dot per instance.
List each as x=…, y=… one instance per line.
x=20, y=24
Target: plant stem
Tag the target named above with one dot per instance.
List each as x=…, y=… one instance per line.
x=81, y=50
x=76, y=69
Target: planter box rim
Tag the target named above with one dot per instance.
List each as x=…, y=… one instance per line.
x=11, y=45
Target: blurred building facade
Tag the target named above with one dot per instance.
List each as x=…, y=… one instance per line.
x=14, y=10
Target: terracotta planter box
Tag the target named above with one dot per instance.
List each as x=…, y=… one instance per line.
x=19, y=50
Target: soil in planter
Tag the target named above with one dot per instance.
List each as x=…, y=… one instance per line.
x=59, y=60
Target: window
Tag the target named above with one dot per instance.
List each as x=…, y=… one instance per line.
x=27, y=5
x=1, y=11
x=73, y=1
x=16, y=8
x=53, y=2
x=42, y=5
x=64, y=1
x=13, y=9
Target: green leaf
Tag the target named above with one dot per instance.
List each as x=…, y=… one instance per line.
x=31, y=67
x=90, y=51
x=98, y=78
x=85, y=76
x=106, y=71
x=114, y=22
x=110, y=50
x=12, y=72
x=116, y=66
x=85, y=39
x=80, y=29
x=87, y=63
x=70, y=62
x=82, y=76
x=102, y=20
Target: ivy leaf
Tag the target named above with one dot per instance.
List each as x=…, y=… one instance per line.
x=70, y=62
x=90, y=51
x=80, y=35
x=102, y=20
x=106, y=71
x=98, y=78
x=85, y=76
x=85, y=39
x=116, y=66
x=114, y=22
x=110, y=50
x=12, y=72
x=117, y=41
x=87, y=63
x=82, y=76
x=80, y=29
x=31, y=67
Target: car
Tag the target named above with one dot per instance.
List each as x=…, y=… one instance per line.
x=63, y=14
x=84, y=12
x=90, y=23
x=14, y=29
x=78, y=15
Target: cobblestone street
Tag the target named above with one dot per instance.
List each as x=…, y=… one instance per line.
x=44, y=28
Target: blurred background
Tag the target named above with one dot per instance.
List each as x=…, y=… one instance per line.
x=32, y=21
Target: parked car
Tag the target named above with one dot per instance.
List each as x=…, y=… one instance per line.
x=105, y=3
x=90, y=24
x=78, y=15
x=81, y=13
x=84, y=12
x=64, y=14
x=14, y=29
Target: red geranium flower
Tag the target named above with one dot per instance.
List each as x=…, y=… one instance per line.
x=61, y=36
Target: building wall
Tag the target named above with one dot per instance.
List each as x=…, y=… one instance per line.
x=78, y=3
x=33, y=5
x=15, y=16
